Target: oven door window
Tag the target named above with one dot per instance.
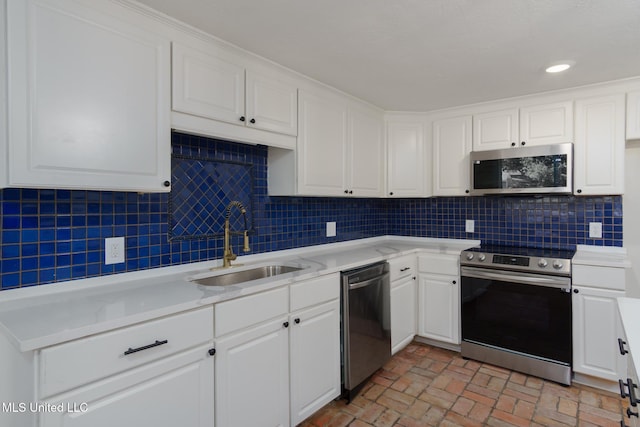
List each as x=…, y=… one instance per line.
x=534, y=320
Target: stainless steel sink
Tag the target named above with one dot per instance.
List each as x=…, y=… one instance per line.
x=236, y=277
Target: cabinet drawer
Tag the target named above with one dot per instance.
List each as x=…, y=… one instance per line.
x=439, y=264
x=72, y=364
x=250, y=310
x=600, y=277
x=314, y=291
x=402, y=267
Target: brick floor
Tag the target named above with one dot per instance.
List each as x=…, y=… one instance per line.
x=428, y=386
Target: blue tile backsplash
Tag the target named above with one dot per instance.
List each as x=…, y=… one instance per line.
x=55, y=235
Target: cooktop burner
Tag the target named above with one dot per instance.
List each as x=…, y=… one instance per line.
x=532, y=260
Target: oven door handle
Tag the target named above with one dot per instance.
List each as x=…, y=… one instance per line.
x=563, y=283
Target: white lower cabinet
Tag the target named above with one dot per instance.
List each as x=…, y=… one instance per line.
x=596, y=328
x=439, y=298
x=403, y=313
x=314, y=350
x=404, y=308
x=175, y=391
x=252, y=380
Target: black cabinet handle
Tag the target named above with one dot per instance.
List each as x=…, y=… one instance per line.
x=523, y=143
x=630, y=413
x=252, y=121
x=242, y=119
x=466, y=191
x=631, y=393
x=513, y=144
x=212, y=351
x=391, y=194
x=346, y=191
x=576, y=291
x=285, y=324
x=578, y=191
x=146, y=347
x=297, y=320
x=167, y=183
x=454, y=282
x=621, y=344
x=350, y=191
x=405, y=269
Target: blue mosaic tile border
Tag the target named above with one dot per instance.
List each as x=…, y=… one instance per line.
x=55, y=235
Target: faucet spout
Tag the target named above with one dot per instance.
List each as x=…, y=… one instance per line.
x=228, y=255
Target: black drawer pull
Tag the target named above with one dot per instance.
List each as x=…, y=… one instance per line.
x=630, y=413
x=631, y=394
x=621, y=344
x=155, y=344
x=405, y=269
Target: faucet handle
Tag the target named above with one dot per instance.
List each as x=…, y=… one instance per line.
x=246, y=241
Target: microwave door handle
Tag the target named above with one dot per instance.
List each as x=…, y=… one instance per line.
x=526, y=279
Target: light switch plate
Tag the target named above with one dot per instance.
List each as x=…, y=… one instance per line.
x=331, y=229
x=595, y=230
x=470, y=226
x=114, y=250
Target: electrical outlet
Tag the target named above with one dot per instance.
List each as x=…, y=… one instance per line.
x=331, y=229
x=114, y=250
x=595, y=230
x=470, y=226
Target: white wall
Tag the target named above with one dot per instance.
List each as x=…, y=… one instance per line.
x=631, y=218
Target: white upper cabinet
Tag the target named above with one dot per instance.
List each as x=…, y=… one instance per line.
x=214, y=88
x=531, y=125
x=633, y=115
x=405, y=157
x=451, y=148
x=339, y=151
x=89, y=99
x=495, y=130
x=365, y=151
x=322, y=141
x=599, y=146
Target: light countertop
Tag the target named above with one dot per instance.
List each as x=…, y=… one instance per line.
x=602, y=256
x=42, y=316
x=630, y=313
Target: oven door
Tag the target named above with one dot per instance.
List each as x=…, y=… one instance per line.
x=520, y=312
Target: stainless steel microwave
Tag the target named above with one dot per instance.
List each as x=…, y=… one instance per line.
x=524, y=170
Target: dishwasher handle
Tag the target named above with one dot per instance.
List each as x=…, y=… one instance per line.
x=365, y=283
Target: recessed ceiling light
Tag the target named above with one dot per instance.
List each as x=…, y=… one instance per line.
x=558, y=68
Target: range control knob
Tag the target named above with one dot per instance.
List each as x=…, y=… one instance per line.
x=542, y=263
x=469, y=256
x=557, y=264
x=481, y=257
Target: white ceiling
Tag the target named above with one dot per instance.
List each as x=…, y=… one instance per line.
x=421, y=55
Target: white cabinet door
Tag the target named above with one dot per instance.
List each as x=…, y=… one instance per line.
x=451, y=148
x=252, y=380
x=322, y=140
x=271, y=104
x=208, y=84
x=495, y=130
x=405, y=158
x=89, y=98
x=439, y=308
x=599, y=146
x=546, y=124
x=365, y=150
x=315, y=359
x=633, y=115
x=596, y=329
x=403, y=313
x=175, y=391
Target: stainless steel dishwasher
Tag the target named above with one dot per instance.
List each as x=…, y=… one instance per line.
x=366, y=324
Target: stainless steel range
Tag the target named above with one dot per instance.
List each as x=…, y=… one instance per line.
x=516, y=309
